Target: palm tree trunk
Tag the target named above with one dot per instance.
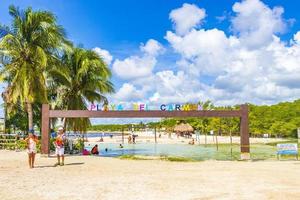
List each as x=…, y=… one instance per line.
x=30, y=116
x=64, y=121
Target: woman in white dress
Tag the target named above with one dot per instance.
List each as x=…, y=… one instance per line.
x=31, y=142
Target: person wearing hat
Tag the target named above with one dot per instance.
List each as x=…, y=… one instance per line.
x=59, y=146
x=31, y=142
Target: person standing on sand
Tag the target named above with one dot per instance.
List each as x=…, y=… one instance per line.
x=197, y=132
x=59, y=147
x=133, y=138
x=31, y=142
x=129, y=139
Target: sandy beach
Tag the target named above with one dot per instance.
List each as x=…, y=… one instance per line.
x=144, y=137
x=87, y=177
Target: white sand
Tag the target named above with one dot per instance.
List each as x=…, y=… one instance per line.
x=164, y=139
x=86, y=177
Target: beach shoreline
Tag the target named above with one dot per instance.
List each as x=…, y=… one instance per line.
x=165, y=139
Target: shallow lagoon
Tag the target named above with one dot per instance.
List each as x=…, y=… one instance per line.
x=195, y=152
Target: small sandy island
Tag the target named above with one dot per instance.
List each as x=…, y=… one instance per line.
x=88, y=177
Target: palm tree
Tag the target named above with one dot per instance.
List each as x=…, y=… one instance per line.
x=82, y=77
x=27, y=49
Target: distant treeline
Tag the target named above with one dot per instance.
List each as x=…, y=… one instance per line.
x=280, y=120
x=108, y=127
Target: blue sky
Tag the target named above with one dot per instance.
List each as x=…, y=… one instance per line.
x=116, y=24
x=196, y=53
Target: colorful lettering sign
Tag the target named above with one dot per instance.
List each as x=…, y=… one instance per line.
x=146, y=107
x=287, y=149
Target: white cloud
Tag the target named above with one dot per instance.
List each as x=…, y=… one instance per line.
x=264, y=71
x=128, y=92
x=152, y=47
x=264, y=75
x=107, y=57
x=227, y=69
x=177, y=87
x=155, y=97
x=297, y=37
x=134, y=67
x=170, y=87
x=186, y=17
x=139, y=66
x=202, y=49
x=256, y=23
x=198, y=42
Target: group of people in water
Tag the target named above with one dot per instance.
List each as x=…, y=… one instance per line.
x=95, y=150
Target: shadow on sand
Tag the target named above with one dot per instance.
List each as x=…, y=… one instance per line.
x=66, y=155
x=43, y=166
x=78, y=163
x=68, y=164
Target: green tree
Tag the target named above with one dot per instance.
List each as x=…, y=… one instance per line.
x=27, y=49
x=82, y=77
x=282, y=129
x=281, y=119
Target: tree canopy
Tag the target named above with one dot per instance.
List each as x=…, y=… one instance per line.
x=280, y=120
x=39, y=65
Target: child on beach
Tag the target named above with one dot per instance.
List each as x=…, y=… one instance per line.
x=59, y=147
x=31, y=142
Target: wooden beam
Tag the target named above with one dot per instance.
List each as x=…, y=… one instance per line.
x=142, y=114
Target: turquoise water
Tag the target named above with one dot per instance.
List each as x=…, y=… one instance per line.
x=195, y=152
x=92, y=135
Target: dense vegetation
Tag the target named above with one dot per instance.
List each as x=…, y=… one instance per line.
x=280, y=120
x=109, y=127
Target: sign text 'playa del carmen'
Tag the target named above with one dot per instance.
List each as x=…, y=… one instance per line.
x=146, y=107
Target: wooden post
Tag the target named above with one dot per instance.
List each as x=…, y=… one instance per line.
x=244, y=128
x=155, y=138
x=122, y=135
x=16, y=139
x=205, y=138
x=217, y=140
x=230, y=143
x=45, y=130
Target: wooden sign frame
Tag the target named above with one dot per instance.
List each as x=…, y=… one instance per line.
x=242, y=113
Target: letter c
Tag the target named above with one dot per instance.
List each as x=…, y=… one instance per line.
x=163, y=107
